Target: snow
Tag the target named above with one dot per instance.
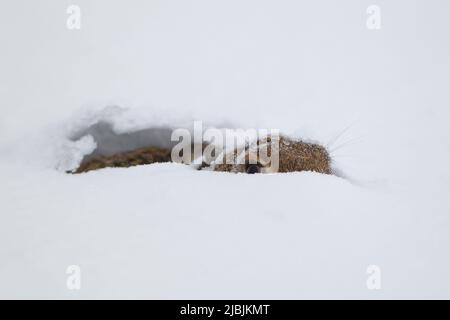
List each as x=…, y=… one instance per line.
x=380, y=99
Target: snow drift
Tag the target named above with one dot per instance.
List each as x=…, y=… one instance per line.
x=166, y=231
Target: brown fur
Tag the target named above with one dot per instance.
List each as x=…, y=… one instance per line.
x=126, y=159
x=302, y=156
x=293, y=156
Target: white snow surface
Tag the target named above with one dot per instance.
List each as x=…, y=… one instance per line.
x=379, y=100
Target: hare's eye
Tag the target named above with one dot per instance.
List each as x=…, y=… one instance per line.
x=253, y=168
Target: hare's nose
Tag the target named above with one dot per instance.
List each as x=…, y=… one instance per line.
x=253, y=168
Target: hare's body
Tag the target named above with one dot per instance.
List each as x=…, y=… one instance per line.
x=126, y=159
x=292, y=156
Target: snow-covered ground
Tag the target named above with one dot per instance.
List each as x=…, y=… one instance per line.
x=379, y=98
